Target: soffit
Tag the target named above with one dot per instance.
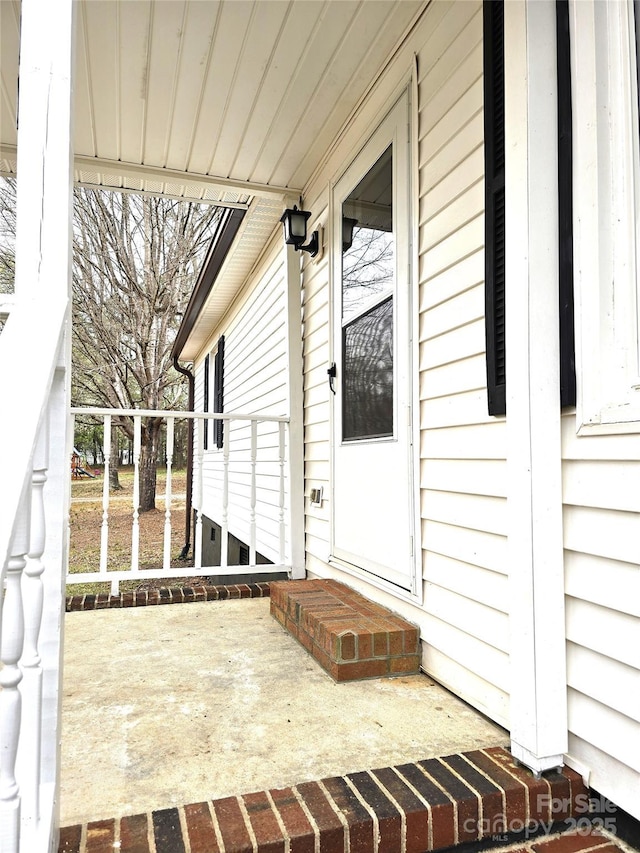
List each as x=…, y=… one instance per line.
x=243, y=90
x=256, y=228
x=222, y=101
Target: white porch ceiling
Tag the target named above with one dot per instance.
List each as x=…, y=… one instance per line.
x=212, y=100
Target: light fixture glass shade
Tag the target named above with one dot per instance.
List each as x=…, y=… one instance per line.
x=294, y=222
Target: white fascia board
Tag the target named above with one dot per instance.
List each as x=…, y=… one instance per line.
x=145, y=173
x=141, y=172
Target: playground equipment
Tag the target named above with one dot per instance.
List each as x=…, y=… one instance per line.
x=79, y=466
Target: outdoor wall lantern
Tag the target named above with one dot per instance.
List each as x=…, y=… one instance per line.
x=294, y=222
x=348, y=225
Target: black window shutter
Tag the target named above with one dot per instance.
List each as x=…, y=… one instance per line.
x=565, y=209
x=218, y=392
x=493, y=19
x=636, y=21
x=205, y=403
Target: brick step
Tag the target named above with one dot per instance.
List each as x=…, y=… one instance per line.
x=351, y=637
x=412, y=808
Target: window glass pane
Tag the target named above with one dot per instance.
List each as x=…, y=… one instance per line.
x=368, y=276
x=368, y=243
x=367, y=404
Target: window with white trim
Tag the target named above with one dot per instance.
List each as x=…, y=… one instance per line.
x=606, y=215
x=218, y=393
x=213, y=395
x=206, y=370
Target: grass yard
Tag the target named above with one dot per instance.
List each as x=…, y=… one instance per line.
x=86, y=525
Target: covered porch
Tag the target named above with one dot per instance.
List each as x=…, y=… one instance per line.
x=169, y=705
x=157, y=757
x=239, y=105
x=92, y=109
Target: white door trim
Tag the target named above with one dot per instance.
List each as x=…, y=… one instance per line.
x=403, y=109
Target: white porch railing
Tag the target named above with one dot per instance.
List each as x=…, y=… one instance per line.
x=242, y=487
x=33, y=560
x=35, y=454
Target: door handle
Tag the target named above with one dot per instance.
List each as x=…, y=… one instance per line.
x=332, y=372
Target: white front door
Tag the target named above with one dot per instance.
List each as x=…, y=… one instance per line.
x=373, y=506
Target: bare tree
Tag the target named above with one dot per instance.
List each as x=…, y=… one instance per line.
x=367, y=267
x=7, y=234
x=135, y=263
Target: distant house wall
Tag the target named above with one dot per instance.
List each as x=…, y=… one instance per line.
x=255, y=381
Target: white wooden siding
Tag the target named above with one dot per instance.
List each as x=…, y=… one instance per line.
x=605, y=631
x=463, y=471
x=450, y=282
x=316, y=405
x=483, y=694
x=255, y=381
x=462, y=468
x=463, y=620
x=472, y=512
x=609, y=731
x=615, y=779
x=607, y=681
x=463, y=342
x=476, y=547
x=481, y=585
x=599, y=580
x=602, y=532
x=473, y=441
x=602, y=586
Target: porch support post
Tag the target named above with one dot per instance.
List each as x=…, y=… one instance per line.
x=535, y=544
x=43, y=274
x=296, y=410
x=44, y=188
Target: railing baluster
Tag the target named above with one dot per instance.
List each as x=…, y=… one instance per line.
x=252, y=505
x=224, y=545
x=135, y=533
x=31, y=663
x=237, y=512
x=166, y=562
x=11, y=644
x=281, y=517
x=104, y=531
x=202, y=424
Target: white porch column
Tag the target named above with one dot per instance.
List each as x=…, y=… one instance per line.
x=43, y=270
x=296, y=411
x=535, y=548
x=44, y=197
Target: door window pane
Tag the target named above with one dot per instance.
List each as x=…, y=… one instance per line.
x=368, y=276
x=367, y=404
x=368, y=241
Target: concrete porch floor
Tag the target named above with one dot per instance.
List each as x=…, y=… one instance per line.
x=179, y=704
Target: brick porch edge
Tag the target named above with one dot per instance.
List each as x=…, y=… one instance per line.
x=166, y=595
x=412, y=808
